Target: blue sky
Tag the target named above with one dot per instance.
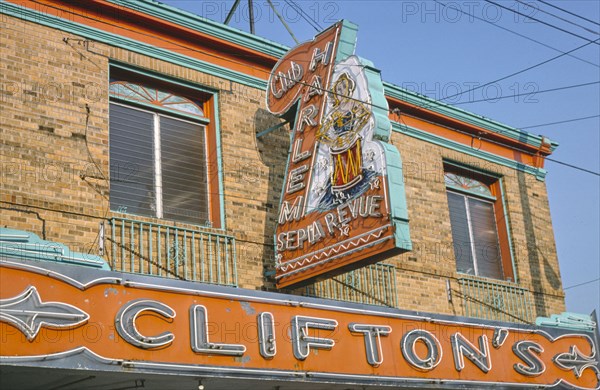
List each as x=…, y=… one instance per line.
x=439, y=50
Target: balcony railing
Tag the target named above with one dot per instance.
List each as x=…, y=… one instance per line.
x=171, y=252
x=500, y=301
x=374, y=284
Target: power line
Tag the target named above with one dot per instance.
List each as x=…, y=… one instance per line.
x=516, y=33
x=573, y=166
x=519, y=72
x=528, y=93
x=495, y=308
x=282, y=20
x=582, y=284
x=558, y=17
x=569, y=12
x=576, y=168
x=523, y=151
x=304, y=15
x=539, y=21
x=370, y=103
x=307, y=15
x=269, y=72
x=559, y=122
x=492, y=141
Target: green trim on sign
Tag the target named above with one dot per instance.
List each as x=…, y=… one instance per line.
x=568, y=320
x=22, y=244
x=347, y=41
x=205, y=26
x=382, y=131
x=397, y=196
x=129, y=44
x=418, y=100
x=539, y=173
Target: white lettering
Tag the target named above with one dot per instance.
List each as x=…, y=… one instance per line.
x=298, y=156
x=293, y=212
x=321, y=56
x=295, y=182
x=315, y=88
x=307, y=117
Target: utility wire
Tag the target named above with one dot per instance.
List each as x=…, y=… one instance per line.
x=304, y=15
x=520, y=71
x=528, y=93
x=282, y=20
x=307, y=15
x=540, y=21
x=582, y=284
x=559, y=122
x=573, y=166
x=515, y=33
x=569, y=12
x=492, y=141
x=364, y=102
x=558, y=17
x=494, y=308
x=269, y=72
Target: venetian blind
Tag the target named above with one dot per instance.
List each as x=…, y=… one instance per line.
x=131, y=143
x=474, y=236
x=184, y=175
x=460, y=233
x=485, y=235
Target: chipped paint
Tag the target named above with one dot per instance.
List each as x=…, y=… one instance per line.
x=247, y=307
x=110, y=290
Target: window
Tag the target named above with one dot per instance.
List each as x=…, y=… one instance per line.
x=479, y=231
x=158, y=154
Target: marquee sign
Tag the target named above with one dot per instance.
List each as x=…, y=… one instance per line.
x=343, y=198
x=69, y=317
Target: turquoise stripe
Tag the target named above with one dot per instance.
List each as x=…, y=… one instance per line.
x=163, y=77
x=539, y=173
x=411, y=97
x=250, y=41
x=205, y=26
x=219, y=159
x=347, y=40
x=129, y=44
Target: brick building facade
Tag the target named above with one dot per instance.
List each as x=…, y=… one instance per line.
x=59, y=61
x=56, y=169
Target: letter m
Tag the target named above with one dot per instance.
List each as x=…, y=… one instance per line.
x=293, y=212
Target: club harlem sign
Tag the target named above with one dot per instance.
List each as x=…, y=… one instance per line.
x=343, y=198
x=72, y=317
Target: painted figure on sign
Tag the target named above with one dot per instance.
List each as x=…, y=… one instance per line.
x=341, y=132
x=347, y=156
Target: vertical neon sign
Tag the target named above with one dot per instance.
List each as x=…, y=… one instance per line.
x=343, y=202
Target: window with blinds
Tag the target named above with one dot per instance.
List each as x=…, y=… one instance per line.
x=158, y=162
x=474, y=227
